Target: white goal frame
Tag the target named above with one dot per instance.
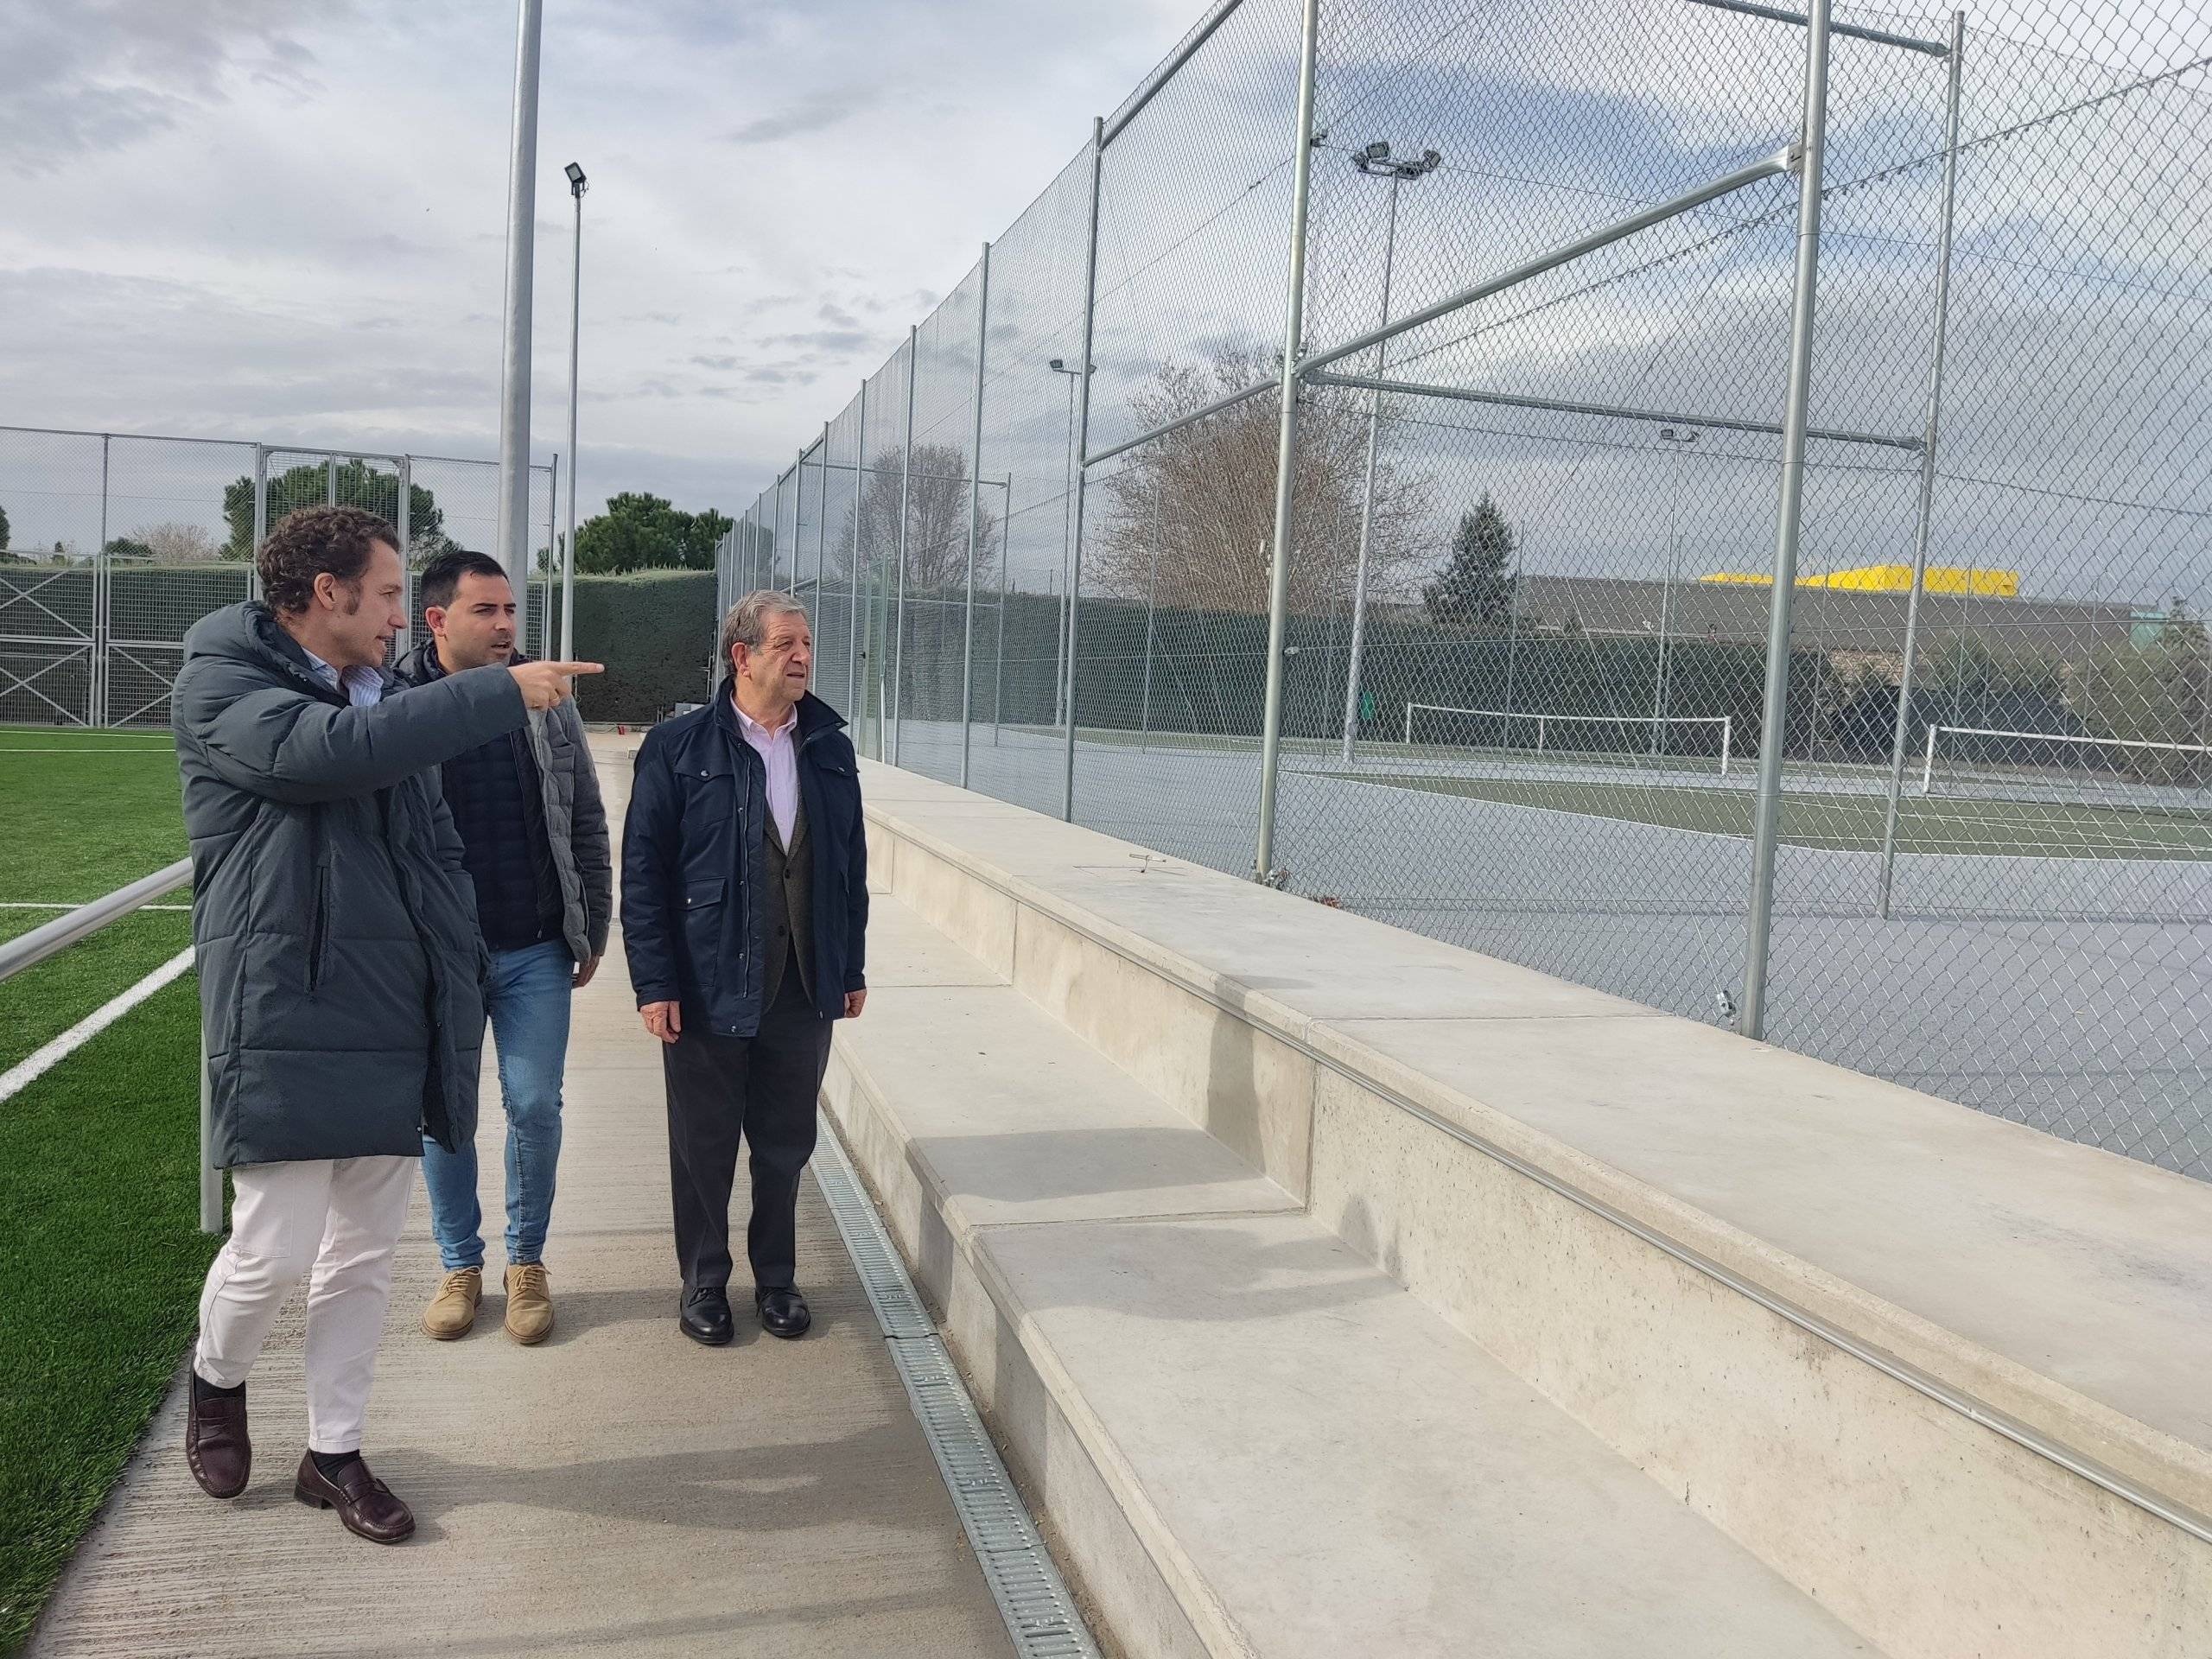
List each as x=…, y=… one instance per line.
x=1725, y=722
x=1928, y=759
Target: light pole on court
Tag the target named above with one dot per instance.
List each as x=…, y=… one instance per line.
x=1376, y=162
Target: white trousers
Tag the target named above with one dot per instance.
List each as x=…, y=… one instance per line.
x=335, y=1223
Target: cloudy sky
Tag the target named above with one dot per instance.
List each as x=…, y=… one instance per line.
x=285, y=220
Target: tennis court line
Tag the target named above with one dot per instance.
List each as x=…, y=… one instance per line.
x=20, y=1077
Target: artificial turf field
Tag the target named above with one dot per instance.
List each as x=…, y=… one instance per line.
x=101, y=1255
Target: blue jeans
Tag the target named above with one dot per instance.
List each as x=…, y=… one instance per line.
x=528, y=1000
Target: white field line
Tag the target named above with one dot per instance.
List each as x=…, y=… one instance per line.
x=20, y=1077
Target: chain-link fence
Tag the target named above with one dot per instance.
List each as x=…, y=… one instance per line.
x=113, y=546
x=1740, y=542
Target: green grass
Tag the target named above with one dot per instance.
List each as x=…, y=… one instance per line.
x=82, y=812
x=100, y=1255
x=100, y=1264
x=1850, y=824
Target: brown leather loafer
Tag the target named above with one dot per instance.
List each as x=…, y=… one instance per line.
x=364, y=1503
x=216, y=1445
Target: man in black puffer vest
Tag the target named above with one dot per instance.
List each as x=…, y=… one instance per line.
x=534, y=841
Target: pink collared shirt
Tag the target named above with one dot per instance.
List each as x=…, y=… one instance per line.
x=779, y=752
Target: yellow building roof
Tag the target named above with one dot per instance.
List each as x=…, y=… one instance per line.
x=1893, y=579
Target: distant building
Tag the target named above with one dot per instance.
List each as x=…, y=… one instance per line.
x=1893, y=579
x=1863, y=623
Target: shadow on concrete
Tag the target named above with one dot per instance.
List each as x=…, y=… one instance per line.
x=766, y=1488
x=1039, y=1165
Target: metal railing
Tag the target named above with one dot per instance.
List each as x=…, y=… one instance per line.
x=50, y=939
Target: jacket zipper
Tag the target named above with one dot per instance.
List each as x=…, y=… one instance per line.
x=319, y=921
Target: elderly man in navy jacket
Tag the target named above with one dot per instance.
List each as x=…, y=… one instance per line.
x=745, y=918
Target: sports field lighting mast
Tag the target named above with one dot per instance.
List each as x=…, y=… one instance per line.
x=1377, y=162
x=576, y=188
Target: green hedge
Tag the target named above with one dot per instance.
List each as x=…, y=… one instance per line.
x=654, y=630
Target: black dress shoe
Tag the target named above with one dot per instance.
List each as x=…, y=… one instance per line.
x=364, y=1504
x=216, y=1445
x=705, y=1317
x=783, y=1311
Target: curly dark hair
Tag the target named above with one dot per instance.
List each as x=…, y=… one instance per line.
x=317, y=541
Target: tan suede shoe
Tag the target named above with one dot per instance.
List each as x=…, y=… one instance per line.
x=529, y=1304
x=452, y=1312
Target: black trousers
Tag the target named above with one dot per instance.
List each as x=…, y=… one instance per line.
x=764, y=1089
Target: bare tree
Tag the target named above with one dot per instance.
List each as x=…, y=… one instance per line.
x=937, y=520
x=179, y=544
x=1200, y=502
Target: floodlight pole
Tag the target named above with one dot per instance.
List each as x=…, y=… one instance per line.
x=1888, y=878
x=1263, y=849
x=974, y=513
x=1773, y=731
x=1399, y=173
x=512, y=549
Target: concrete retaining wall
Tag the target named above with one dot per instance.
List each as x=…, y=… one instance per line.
x=1947, y=1376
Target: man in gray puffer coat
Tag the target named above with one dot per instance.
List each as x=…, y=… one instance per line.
x=340, y=969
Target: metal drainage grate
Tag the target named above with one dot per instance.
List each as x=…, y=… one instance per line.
x=1033, y=1598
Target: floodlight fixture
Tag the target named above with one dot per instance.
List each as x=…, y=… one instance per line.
x=1376, y=161
x=576, y=184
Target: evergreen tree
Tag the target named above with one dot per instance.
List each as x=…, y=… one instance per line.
x=1475, y=588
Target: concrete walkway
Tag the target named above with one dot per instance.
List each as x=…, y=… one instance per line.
x=616, y=1491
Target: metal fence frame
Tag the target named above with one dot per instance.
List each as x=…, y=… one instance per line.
x=752, y=558
x=104, y=645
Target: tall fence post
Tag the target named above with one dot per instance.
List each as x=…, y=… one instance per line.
x=975, y=512
x=1151, y=607
x=546, y=640
x=1082, y=455
x=906, y=488
x=400, y=523
x=1263, y=849
x=852, y=609
x=998, y=661
x=260, y=520
x=95, y=711
x=1774, y=729
x=1927, y=463
x=822, y=523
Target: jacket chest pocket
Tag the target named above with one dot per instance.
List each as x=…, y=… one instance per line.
x=840, y=786
x=709, y=794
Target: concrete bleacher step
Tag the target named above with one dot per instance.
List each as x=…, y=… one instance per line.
x=1247, y=1439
